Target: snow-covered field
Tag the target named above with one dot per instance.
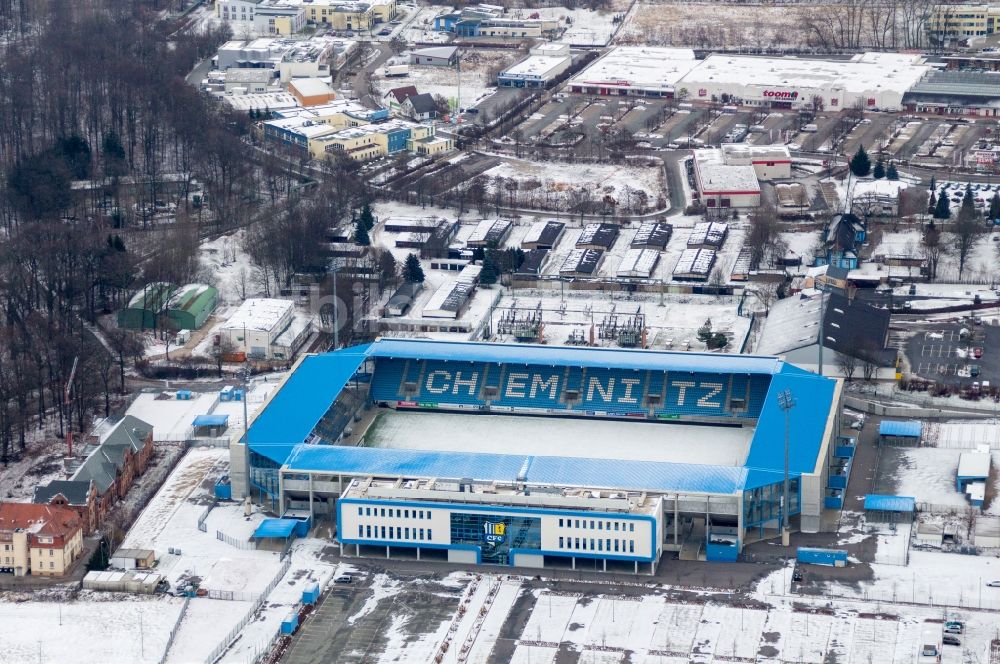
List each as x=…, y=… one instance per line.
x=598, y=180
x=511, y=434
x=116, y=629
x=712, y=24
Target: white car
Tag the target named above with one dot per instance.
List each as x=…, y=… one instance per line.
x=994, y=584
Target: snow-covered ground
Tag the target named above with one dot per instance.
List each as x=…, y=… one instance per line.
x=617, y=182
x=118, y=629
x=172, y=418
x=511, y=434
x=655, y=629
x=226, y=266
x=928, y=474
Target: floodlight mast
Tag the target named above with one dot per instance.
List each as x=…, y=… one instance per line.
x=786, y=401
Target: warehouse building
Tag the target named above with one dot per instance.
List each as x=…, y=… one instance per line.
x=652, y=235
x=770, y=162
x=582, y=263
x=871, y=80
x=143, y=311
x=630, y=453
x=266, y=328
x=720, y=184
x=490, y=233
x=435, y=56
x=694, y=265
x=850, y=327
x=543, y=234
x=708, y=235
x=642, y=71
x=638, y=264
x=952, y=92
x=190, y=306
x=598, y=236
x=543, y=65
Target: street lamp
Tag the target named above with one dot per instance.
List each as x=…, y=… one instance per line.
x=785, y=402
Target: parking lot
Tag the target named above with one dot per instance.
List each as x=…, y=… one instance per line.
x=945, y=354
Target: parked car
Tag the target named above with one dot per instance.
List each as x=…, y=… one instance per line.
x=954, y=627
x=994, y=584
x=343, y=578
x=977, y=352
x=951, y=640
x=974, y=370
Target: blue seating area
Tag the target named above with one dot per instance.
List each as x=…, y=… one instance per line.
x=597, y=389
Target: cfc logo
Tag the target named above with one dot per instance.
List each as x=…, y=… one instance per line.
x=494, y=532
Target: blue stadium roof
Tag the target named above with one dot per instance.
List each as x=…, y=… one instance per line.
x=812, y=396
x=292, y=414
x=294, y=411
x=280, y=528
x=574, y=356
x=874, y=501
x=539, y=470
x=906, y=428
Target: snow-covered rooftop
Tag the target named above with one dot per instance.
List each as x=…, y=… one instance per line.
x=639, y=66
x=536, y=65
x=264, y=314
x=869, y=74
x=715, y=176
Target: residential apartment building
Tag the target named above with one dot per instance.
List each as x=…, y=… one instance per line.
x=105, y=476
x=284, y=17
x=961, y=21
x=42, y=540
x=378, y=140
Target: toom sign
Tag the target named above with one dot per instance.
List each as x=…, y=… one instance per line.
x=781, y=94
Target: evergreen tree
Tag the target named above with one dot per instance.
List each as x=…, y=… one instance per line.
x=995, y=207
x=942, y=210
x=933, y=186
x=705, y=331
x=412, y=271
x=968, y=209
x=861, y=164
x=361, y=234
x=367, y=218
x=488, y=275
x=932, y=202
x=891, y=173
x=879, y=171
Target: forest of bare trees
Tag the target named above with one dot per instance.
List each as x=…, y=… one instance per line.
x=94, y=91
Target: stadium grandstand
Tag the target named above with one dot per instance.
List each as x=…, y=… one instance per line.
x=537, y=456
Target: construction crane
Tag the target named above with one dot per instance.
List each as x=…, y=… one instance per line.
x=69, y=411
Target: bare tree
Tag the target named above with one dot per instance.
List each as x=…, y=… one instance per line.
x=848, y=364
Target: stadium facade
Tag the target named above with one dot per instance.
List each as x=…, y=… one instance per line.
x=510, y=496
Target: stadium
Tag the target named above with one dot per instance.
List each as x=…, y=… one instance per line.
x=536, y=456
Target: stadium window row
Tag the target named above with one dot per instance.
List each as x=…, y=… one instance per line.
x=394, y=533
x=597, y=524
x=597, y=544
x=394, y=513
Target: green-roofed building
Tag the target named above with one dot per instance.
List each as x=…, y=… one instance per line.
x=146, y=306
x=190, y=306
